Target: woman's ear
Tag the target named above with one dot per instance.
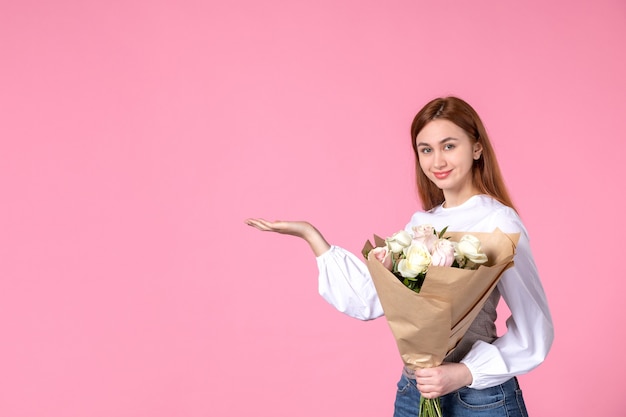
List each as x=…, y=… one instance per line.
x=478, y=151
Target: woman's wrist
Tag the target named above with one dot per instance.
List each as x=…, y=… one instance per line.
x=315, y=240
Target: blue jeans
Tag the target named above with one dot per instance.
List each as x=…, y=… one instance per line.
x=503, y=400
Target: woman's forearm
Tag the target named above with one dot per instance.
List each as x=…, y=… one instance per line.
x=316, y=241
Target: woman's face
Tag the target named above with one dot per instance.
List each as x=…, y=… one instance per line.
x=446, y=155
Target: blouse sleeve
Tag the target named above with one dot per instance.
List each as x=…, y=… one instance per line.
x=345, y=282
x=530, y=331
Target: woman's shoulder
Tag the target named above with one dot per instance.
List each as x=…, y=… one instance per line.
x=491, y=205
x=504, y=217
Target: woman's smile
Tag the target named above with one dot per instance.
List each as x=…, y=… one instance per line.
x=442, y=174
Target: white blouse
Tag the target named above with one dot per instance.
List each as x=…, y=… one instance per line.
x=345, y=282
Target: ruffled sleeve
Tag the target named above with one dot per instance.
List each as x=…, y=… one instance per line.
x=345, y=282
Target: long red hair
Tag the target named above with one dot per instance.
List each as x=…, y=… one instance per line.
x=486, y=175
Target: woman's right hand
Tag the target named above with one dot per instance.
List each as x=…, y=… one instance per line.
x=301, y=229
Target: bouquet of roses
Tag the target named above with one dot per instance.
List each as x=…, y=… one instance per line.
x=408, y=256
x=432, y=286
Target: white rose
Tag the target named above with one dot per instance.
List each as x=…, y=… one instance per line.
x=469, y=247
x=425, y=233
x=417, y=260
x=458, y=256
x=443, y=253
x=398, y=241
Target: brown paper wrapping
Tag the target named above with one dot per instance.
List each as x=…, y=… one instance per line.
x=428, y=325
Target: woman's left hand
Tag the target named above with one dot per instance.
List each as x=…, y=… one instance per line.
x=443, y=379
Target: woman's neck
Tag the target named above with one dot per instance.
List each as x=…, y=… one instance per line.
x=456, y=199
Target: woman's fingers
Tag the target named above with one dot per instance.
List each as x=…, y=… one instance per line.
x=285, y=227
x=260, y=224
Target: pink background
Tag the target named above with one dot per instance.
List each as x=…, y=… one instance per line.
x=136, y=137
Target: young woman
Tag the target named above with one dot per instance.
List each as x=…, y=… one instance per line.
x=461, y=187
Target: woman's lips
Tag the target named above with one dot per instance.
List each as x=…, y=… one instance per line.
x=441, y=175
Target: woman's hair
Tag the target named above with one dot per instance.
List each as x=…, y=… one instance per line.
x=486, y=174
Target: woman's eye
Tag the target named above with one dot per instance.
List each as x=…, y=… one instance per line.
x=448, y=146
x=425, y=150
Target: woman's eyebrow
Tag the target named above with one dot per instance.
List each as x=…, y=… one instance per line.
x=444, y=140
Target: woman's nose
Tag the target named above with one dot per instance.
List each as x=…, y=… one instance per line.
x=439, y=160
